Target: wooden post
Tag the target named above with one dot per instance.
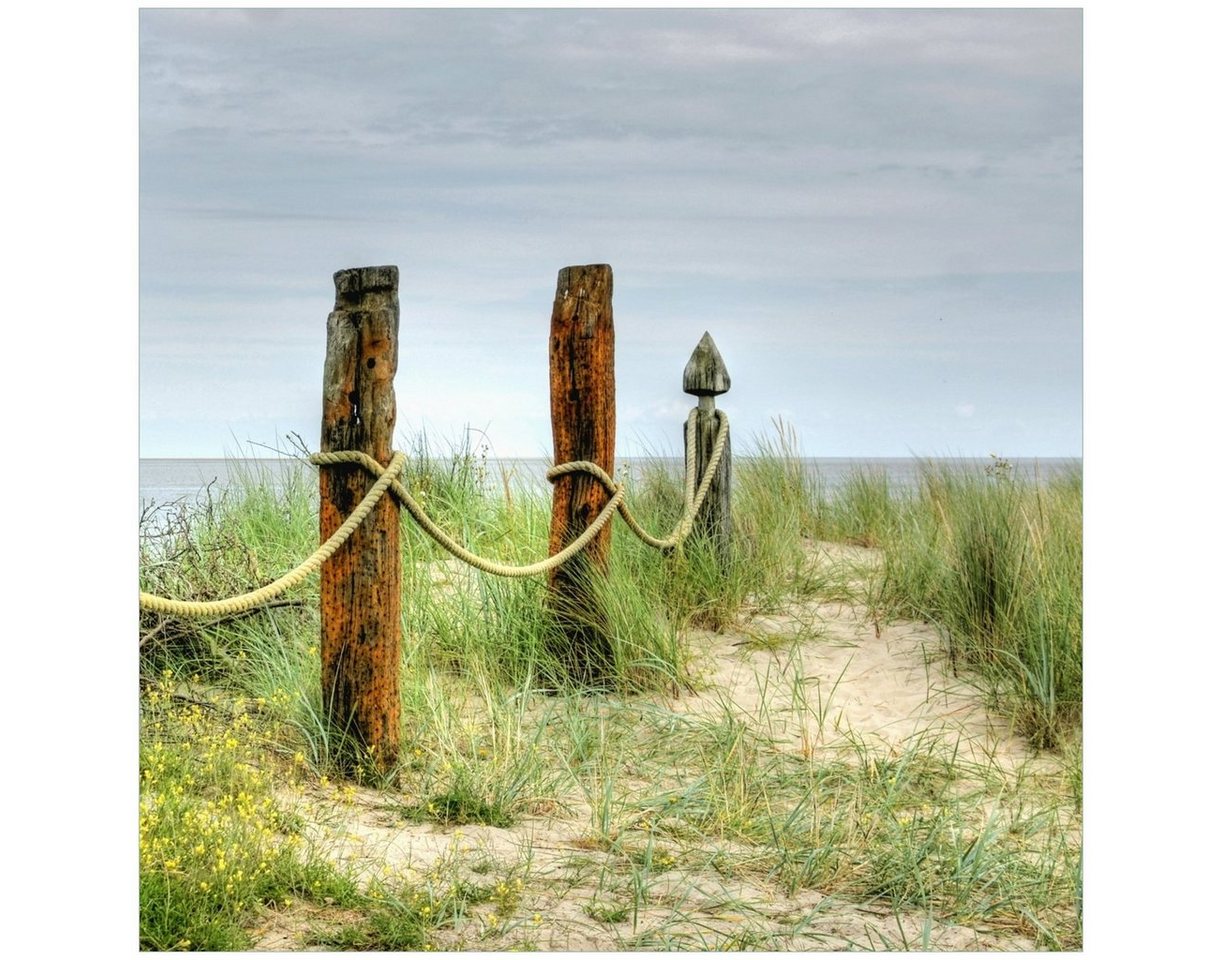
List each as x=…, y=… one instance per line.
x=706, y=377
x=361, y=581
x=582, y=364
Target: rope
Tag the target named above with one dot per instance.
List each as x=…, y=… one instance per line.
x=248, y=601
x=693, y=498
x=444, y=540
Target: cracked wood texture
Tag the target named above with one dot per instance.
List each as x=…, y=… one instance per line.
x=361, y=581
x=706, y=377
x=582, y=364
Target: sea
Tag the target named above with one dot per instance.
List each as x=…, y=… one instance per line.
x=172, y=485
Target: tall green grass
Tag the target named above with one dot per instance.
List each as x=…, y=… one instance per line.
x=864, y=511
x=491, y=735
x=996, y=562
x=992, y=559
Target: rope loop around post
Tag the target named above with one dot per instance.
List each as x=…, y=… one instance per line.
x=693, y=494
x=255, y=598
x=387, y=479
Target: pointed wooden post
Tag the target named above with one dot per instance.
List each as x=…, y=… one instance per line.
x=582, y=365
x=706, y=377
x=361, y=581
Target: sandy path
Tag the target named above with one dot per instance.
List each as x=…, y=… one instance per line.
x=885, y=685
x=824, y=679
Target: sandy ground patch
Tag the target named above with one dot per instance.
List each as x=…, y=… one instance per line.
x=823, y=678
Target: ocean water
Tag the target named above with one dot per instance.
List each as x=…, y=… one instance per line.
x=167, y=485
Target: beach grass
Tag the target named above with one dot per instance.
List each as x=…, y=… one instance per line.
x=694, y=827
x=996, y=562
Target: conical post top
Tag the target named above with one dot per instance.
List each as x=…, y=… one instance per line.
x=705, y=374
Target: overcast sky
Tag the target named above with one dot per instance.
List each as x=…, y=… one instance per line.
x=876, y=214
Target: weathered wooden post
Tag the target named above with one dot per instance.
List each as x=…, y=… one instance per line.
x=361, y=581
x=582, y=364
x=706, y=377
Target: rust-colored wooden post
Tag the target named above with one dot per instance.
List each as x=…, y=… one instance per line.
x=706, y=377
x=361, y=581
x=582, y=364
